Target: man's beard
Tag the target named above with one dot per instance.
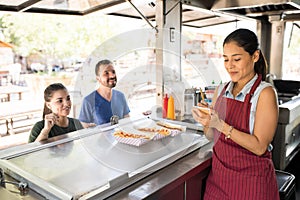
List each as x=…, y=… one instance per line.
x=109, y=84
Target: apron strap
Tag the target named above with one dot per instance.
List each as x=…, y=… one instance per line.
x=254, y=87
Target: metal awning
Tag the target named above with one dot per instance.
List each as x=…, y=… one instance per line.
x=68, y=7
x=288, y=10
x=194, y=14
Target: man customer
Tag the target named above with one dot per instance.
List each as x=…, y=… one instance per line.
x=100, y=105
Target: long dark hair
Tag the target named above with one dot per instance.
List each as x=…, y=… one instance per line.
x=248, y=41
x=48, y=93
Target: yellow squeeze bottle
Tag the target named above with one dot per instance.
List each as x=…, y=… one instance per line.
x=171, y=108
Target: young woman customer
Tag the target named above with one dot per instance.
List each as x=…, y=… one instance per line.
x=55, y=122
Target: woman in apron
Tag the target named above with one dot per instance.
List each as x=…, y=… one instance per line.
x=242, y=122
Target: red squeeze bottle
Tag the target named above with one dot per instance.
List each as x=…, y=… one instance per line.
x=165, y=106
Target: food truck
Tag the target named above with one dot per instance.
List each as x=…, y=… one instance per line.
x=169, y=163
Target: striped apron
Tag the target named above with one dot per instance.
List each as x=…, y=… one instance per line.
x=238, y=174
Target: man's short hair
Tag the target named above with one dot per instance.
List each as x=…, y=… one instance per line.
x=101, y=62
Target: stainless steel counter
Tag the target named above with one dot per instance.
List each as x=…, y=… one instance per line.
x=167, y=180
x=91, y=164
x=287, y=138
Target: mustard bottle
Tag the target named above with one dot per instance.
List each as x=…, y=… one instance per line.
x=171, y=108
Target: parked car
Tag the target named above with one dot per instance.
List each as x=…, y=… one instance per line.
x=37, y=67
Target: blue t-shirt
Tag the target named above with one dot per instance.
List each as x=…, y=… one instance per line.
x=96, y=109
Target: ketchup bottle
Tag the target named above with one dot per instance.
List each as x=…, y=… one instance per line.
x=165, y=106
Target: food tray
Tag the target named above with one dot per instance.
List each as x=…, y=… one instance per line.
x=132, y=141
x=142, y=132
x=173, y=133
x=175, y=129
x=158, y=135
x=131, y=136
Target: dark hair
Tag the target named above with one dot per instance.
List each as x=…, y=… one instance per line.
x=101, y=62
x=248, y=41
x=48, y=93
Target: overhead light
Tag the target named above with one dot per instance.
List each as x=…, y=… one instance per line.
x=282, y=16
x=151, y=4
x=58, y=1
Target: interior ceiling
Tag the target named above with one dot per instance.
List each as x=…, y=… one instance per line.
x=195, y=13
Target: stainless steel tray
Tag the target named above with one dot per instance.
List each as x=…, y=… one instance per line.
x=95, y=165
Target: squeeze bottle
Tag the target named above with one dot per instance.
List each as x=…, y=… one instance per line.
x=171, y=108
x=165, y=106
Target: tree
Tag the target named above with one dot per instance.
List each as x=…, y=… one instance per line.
x=55, y=36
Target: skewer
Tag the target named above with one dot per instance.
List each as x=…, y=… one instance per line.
x=202, y=94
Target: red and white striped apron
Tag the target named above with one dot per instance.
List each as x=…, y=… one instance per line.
x=238, y=174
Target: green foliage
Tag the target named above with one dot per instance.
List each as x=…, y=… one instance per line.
x=55, y=36
x=41, y=73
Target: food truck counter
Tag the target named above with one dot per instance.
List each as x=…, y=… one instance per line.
x=92, y=164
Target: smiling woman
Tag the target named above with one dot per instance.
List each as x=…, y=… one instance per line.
x=242, y=123
x=55, y=122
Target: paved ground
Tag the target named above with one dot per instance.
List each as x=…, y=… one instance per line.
x=20, y=135
x=14, y=140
